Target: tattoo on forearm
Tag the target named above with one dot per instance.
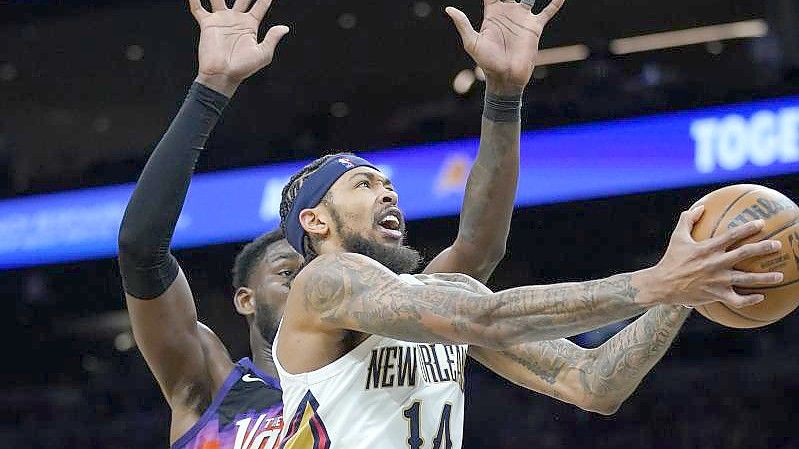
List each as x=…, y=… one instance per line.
x=489, y=195
x=567, y=309
x=546, y=359
x=612, y=371
x=353, y=290
x=621, y=363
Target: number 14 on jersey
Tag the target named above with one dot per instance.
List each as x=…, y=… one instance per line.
x=442, y=439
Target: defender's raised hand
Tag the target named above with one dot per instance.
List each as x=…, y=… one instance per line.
x=507, y=44
x=229, y=51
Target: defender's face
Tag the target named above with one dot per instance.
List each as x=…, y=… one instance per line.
x=363, y=202
x=272, y=278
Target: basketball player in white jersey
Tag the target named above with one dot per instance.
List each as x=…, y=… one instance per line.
x=372, y=358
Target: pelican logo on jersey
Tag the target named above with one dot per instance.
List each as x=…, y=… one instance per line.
x=306, y=429
x=262, y=433
x=398, y=366
x=762, y=208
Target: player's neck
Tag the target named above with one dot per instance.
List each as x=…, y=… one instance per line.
x=262, y=353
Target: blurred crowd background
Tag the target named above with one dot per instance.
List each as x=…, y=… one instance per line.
x=88, y=87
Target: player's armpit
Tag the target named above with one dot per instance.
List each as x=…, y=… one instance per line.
x=217, y=358
x=190, y=399
x=556, y=368
x=176, y=350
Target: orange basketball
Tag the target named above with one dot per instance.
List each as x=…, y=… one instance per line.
x=733, y=206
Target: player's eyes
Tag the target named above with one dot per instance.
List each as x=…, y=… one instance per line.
x=363, y=183
x=286, y=273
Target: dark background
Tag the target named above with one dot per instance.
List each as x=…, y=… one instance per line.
x=87, y=88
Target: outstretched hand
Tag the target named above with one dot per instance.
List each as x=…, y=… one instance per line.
x=507, y=44
x=229, y=51
x=698, y=273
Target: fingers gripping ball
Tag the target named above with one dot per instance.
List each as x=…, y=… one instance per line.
x=733, y=206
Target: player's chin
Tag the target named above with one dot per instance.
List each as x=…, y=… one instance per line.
x=390, y=236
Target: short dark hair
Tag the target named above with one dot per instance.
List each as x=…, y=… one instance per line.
x=249, y=257
x=290, y=192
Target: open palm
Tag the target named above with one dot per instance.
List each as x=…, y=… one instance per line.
x=507, y=44
x=229, y=38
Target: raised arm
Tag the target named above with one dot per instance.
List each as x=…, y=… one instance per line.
x=351, y=291
x=597, y=380
x=491, y=187
x=160, y=303
x=185, y=357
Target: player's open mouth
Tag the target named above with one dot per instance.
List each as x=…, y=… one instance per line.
x=391, y=224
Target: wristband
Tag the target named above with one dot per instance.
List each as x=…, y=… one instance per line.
x=501, y=108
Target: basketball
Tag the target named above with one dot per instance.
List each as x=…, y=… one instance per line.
x=733, y=206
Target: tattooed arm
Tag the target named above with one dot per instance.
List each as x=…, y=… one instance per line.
x=505, y=48
x=597, y=380
x=351, y=291
x=487, y=205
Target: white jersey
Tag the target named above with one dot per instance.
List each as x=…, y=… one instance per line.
x=385, y=393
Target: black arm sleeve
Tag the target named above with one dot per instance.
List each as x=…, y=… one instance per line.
x=146, y=265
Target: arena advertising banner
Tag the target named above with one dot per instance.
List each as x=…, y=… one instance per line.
x=721, y=144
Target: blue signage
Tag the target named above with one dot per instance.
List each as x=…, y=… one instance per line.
x=730, y=143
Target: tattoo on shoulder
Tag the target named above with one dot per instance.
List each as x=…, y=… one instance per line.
x=330, y=282
x=349, y=288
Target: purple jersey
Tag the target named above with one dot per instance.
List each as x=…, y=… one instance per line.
x=246, y=413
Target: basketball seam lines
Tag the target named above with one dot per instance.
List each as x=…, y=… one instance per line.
x=730, y=206
x=734, y=312
x=784, y=227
